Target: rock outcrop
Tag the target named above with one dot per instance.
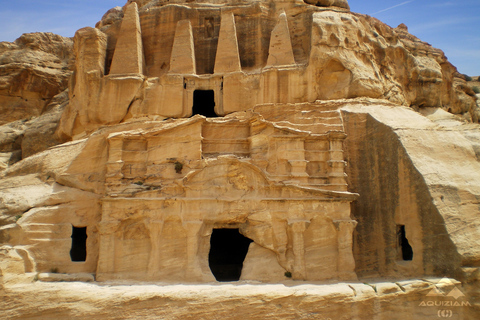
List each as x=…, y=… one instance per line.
x=34, y=69
x=381, y=300
x=305, y=52
x=23, y=138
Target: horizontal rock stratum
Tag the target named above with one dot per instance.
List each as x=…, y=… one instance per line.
x=291, y=300
x=314, y=158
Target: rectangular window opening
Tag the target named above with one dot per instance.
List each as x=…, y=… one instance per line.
x=78, y=252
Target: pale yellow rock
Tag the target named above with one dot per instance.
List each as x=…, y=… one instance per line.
x=280, y=52
x=183, y=52
x=215, y=184
x=128, y=56
x=261, y=265
x=60, y=277
x=12, y=262
x=227, y=58
x=428, y=149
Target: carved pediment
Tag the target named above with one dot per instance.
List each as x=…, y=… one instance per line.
x=229, y=178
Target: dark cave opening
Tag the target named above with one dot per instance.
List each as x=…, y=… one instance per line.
x=407, y=251
x=204, y=103
x=228, y=249
x=78, y=252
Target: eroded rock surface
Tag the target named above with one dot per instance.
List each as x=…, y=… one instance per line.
x=34, y=69
x=300, y=53
x=291, y=300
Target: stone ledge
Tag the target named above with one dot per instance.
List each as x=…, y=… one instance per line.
x=63, y=277
x=376, y=299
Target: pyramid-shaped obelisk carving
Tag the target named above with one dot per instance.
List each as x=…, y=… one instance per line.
x=228, y=57
x=280, y=52
x=183, y=52
x=128, y=57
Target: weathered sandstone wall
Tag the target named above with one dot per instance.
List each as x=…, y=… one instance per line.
x=283, y=52
x=403, y=162
x=35, y=70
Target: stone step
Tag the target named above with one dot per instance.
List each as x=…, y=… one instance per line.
x=39, y=234
x=318, y=128
x=325, y=107
x=216, y=154
x=63, y=277
x=331, y=187
x=46, y=230
x=38, y=227
x=312, y=121
x=322, y=114
x=46, y=241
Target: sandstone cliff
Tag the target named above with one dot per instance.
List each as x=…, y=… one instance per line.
x=35, y=70
x=321, y=53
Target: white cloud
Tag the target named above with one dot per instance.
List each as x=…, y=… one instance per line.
x=393, y=7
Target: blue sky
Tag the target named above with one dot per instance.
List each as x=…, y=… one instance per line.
x=451, y=25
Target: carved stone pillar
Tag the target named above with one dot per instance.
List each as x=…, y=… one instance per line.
x=193, y=271
x=345, y=262
x=155, y=227
x=336, y=163
x=298, y=170
x=115, y=163
x=281, y=240
x=106, y=256
x=297, y=228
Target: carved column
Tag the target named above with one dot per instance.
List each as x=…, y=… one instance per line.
x=115, y=163
x=280, y=235
x=345, y=262
x=297, y=228
x=155, y=227
x=128, y=57
x=106, y=256
x=336, y=163
x=193, y=271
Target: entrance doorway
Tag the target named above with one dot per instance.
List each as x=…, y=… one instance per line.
x=228, y=249
x=204, y=103
x=79, y=244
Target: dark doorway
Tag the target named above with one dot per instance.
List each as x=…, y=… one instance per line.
x=204, y=103
x=228, y=249
x=407, y=251
x=79, y=244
